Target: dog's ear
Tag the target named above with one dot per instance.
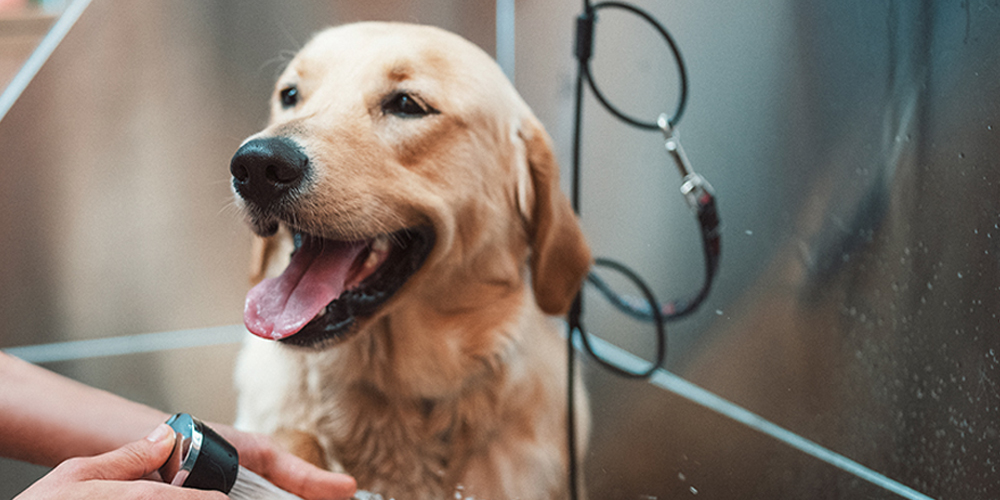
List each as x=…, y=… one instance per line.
x=560, y=257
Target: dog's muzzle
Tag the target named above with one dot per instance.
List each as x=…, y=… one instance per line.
x=266, y=170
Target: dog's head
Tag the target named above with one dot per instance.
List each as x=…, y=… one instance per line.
x=400, y=167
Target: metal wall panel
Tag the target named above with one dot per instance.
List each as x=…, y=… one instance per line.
x=855, y=149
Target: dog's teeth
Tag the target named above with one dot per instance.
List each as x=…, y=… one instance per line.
x=372, y=259
x=380, y=245
x=379, y=248
x=321, y=312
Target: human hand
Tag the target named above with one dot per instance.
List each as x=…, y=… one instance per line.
x=117, y=474
x=262, y=455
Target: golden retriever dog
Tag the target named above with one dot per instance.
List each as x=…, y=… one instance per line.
x=414, y=243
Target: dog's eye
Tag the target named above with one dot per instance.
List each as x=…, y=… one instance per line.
x=289, y=97
x=406, y=106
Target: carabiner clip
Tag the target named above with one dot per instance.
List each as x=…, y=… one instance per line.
x=696, y=190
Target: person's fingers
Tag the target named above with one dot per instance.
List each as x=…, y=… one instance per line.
x=260, y=454
x=308, y=481
x=131, y=490
x=117, y=474
x=132, y=461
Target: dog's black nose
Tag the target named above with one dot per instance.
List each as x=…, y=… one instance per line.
x=265, y=170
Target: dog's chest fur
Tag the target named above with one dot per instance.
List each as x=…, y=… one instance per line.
x=490, y=437
x=415, y=448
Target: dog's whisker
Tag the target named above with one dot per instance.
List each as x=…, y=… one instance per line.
x=295, y=42
x=232, y=207
x=265, y=64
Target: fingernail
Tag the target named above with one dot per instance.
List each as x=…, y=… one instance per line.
x=159, y=433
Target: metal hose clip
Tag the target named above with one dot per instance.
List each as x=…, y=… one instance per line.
x=697, y=191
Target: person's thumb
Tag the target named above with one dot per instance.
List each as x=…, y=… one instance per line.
x=134, y=460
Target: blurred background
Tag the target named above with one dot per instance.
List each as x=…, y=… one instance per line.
x=849, y=348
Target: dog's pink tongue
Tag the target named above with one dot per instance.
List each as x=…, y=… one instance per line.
x=279, y=307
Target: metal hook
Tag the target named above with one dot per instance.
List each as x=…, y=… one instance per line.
x=697, y=191
x=673, y=145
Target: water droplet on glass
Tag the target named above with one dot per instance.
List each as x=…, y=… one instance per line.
x=694, y=491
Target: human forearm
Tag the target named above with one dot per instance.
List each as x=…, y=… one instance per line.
x=47, y=418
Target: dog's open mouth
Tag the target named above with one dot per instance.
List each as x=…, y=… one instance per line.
x=329, y=284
